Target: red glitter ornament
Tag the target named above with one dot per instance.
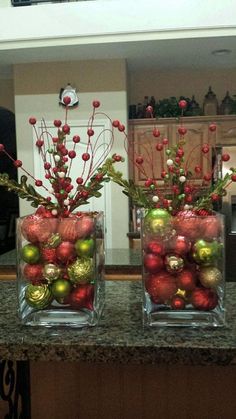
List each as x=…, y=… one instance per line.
x=65, y=252
x=186, y=224
x=34, y=273
x=210, y=227
x=186, y=280
x=179, y=245
x=48, y=254
x=204, y=299
x=177, y=303
x=153, y=263
x=67, y=229
x=84, y=226
x=82, y=297
x=155, y=247
x=36, y=229
x=161, y=287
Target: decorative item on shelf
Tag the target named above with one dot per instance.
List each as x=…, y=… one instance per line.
x=70, y=92
x=169, y=107
x=193, y=108
x=226, y=107
x=210, y=104
x=60, y=249
x=182, y=236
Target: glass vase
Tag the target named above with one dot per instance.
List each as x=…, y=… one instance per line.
x=60, y=270
x=183, y=269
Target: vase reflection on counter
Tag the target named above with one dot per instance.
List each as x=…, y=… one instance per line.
x=183, y=269
x=60, y=270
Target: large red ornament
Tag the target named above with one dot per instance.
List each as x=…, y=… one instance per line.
x=82, y=297
x=84, y=226
x=210, y=227
x=161, y=287
x=179, y=245
x=48, y=254
x=34, y=273
x=186, y=280
x=153, y=263
x=187, y=224
x=204, y=299
x=65, y=252
x=36, y=229
x=155, y=247
x=67, y=229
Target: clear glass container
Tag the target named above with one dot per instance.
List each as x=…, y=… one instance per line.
x=210, y=104
x=60, y=270
x=183, y=269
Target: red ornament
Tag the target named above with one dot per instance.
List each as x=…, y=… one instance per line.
x=48, y=254
x=155, y=247
x=161, y=287
x=85, y=156
x=36, y=229
x=179, y=245
x=65, y=252
x=187, y=224
x=67, y=229
x=177, y=303
x=153, y=263
x=186, y=280
x=34, y=273
x=204, y=299
x=84, y=227
x=82, y=297
x=211, y=227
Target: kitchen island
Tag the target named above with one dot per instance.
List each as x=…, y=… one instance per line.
x=120, y=369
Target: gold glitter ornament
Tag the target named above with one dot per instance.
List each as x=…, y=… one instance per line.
x=81, y=271
x=38, y=296
x=51, y=272
x=210, y=276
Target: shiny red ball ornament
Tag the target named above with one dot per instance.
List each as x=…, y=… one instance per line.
x=33, y=272
x=155, y=247
x=186, y=280
x=186, y=224
x=182, y=104
x=84, y=227
x=182, y=130
x=212, y=127
x=36, y=229
x=48, y=254
x=177, y=303
x=82, y=297
x=67, y=229
x=225, y=157
x=179, y=245
x=156, y=133
x=65, y=252
x=153, y=263
x=161, y=287
x=204, y=299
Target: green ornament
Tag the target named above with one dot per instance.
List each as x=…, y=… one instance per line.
x=61, y=288
x=81, y=271
x=38, y=296
x=157, y=221
x=205, y=253
x=84, y=248
x=30, y=253
x=168, y=152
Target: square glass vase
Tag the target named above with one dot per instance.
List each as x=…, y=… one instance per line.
x=60, y=270
x=183, y=272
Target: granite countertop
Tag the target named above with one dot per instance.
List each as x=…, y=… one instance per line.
x=120, y=336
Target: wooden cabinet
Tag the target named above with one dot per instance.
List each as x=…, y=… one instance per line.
x=226, y=131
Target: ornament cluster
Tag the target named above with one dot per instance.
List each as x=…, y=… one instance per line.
x=182, y=260
x=60, y=260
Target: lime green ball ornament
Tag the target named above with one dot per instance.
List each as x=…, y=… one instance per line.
x=84, y=248
x=38, y=296
x=61, y=288
x=157, y=221
x=30, y=253
x=205, y=253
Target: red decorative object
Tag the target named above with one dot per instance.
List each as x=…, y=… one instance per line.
x=82, y=297
x=177, y=303
x=36, y=229
x=48, y=254
x=186, y=280
x=34, y=273
x=65, y=252
x=153, y=263
x=204, y=299
x=161, y=287
x=155, y=247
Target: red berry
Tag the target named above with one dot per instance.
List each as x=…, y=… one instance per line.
x=197, y=169
x=180, y=152
x=207, y=177
x=47, y=166
x=72, y=154
x=156, y=133
x=57, y=123
x=90, y=132
x=225, y=157
x=149, y=109
x=17, y=163
x=85, y=156
x=165, y=141
x=79, y=180
x=121, y=128
x=212, y=127
x=99, y=176
x=215, y=197
x=2, y=148
x=182, y=130
x=66, y=100
x=182, y=104
x=96, y=103
x=32, y=120
x=139, y=160
x=38, y=183
x=233, y=177
x=66, y=129
x=48, y=176
x=163, y=174
x=205, y=148
x=76, y=139
x=116, y=123
x=148, y=182
x=117, y=157
x=159, y=147
x=39, y=143
x=85, y=194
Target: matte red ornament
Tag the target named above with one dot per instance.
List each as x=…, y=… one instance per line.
x=36, y=229
x=186, y=280
x=65, y=252
x=177, y=303
x=153, y=263
x=82, y=297
x=34, y=273
x=204, y=299
x=155, y=247
x=161, y=287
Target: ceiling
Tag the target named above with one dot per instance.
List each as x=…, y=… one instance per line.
x=163, y=54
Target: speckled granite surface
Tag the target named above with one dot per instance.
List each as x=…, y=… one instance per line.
x=120, y=337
